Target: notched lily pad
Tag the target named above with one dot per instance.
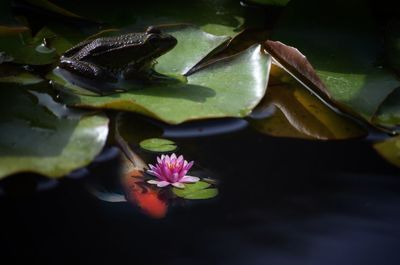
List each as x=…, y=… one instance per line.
x=42, y=136
x=196, y=191
x=230, y=87
x=158, y=145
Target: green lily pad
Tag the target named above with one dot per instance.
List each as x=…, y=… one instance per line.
x=345, y=52
x=158, y=145
x=42, y=136
x=17, y=75
x=388, y=114
x=196, y=191
x=12, y=30
x=299, y=114
x=193, y=46
x=390, y=150
x=25, y=49
x=230, y=87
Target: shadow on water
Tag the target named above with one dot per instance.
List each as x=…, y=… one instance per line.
x=281, y=202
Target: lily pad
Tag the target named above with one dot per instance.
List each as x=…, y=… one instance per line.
x=230, y=87
x=42, y=136
x=17, y=75
x=158, y=145
x=344, y=52
x=388, y=114
x=196, y=191
x=25, y=49
x=194, y=45
x=298, y=113
x=390, y=150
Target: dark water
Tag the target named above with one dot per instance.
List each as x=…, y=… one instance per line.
x=281, y=202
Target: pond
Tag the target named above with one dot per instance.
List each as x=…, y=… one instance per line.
x=227, y=146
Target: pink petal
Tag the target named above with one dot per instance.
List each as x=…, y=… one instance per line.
x=179, y=160
x=166, y=172
x=189, y=179
x=153, y=173
x=178, y=185
x=189, y=165
x=166, y=160
x=175, y=177
x=163, y=184
x=153, y=181
x=183, y=173
x=158, y=183
x=173, y=157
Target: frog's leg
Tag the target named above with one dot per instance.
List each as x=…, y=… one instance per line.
x=88, y=70
x=142, y=71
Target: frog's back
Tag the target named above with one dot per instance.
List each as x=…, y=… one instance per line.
x=100, y=46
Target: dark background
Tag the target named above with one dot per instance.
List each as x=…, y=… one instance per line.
x=281, y=201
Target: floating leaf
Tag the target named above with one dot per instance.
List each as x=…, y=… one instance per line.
x=196, y=191
x=193, y=46
x=27, y=50
x=158, y=145
x=390, y=150
x=12, y=30
x=298, y=113
x=343, y=51
x=42, y=136
x=388, y=114
x=230, y=87
x=134, y=128
x=17, y=75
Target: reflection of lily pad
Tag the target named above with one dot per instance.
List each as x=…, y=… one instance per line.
x=297, y=113
x=196, y=191
x=231, y=87
x=42, y=136
x=158, y=145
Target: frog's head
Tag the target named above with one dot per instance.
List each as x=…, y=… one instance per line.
x=158, y=43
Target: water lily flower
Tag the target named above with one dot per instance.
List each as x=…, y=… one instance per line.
x=171, y=170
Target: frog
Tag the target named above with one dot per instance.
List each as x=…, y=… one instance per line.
x=128, y=56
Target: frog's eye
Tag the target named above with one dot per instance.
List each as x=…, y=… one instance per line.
x=153, y=29
x=152, y=37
